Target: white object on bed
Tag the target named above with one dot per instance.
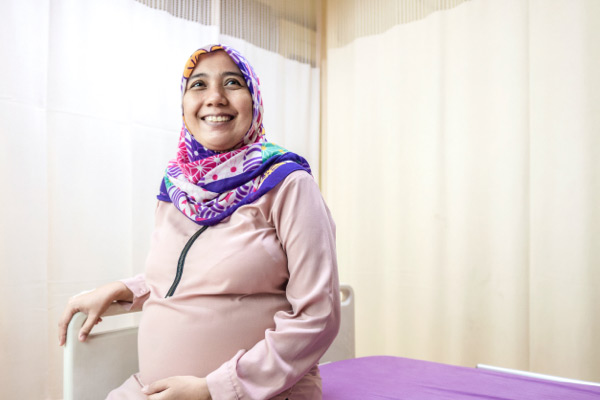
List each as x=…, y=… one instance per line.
x=105, y=360
x=534, y=375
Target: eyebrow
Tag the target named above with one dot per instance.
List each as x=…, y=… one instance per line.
x=223, y=74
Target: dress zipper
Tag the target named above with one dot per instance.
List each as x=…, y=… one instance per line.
x=182, y=260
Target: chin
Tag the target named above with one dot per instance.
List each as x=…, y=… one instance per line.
x=218, y=147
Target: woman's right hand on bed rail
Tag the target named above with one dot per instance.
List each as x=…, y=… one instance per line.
x=93, y=304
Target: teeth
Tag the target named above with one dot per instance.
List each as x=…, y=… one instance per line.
x=217, y=118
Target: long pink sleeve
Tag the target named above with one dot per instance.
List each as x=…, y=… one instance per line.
x=302, y=335
x=137, y=285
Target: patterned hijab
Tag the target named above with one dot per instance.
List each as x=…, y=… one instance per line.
x=208, y=186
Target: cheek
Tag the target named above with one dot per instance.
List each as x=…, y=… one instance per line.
x=247, y=106
x=186, y=108
x=189, y=105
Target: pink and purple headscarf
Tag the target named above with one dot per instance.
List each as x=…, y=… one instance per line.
x=208, y=186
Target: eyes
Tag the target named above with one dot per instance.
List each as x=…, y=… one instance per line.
x=232, y=83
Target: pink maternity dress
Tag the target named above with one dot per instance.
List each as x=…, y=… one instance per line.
x=257, y=304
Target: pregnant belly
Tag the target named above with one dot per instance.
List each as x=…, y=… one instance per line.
x=195, y=336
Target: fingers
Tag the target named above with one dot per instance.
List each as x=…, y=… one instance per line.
x=160, y=396
x=156, y=387
x=177, y=388
x=63, y=324
x=92, y=319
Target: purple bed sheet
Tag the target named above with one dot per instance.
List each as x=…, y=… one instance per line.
x=385, y=377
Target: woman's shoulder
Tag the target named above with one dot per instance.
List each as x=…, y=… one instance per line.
x=300, y=175
x=299, y=191
x=298, y=182
x=298, y=206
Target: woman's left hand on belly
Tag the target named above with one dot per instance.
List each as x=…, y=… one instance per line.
x=178, y=387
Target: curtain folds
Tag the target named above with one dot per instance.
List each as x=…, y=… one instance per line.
x=461, y=163
x=288, y=28
x=89, y=115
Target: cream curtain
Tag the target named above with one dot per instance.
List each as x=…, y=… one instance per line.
x=89, y=115
x=461, y=161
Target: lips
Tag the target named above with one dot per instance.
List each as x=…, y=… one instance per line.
x=217, y=118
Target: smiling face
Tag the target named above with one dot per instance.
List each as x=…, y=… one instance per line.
x=217, y=105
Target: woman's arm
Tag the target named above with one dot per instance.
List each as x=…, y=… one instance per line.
x=303, y=334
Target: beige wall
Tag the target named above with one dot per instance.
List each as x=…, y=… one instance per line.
x=460, y=161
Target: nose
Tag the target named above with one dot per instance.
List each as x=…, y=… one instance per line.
x=216, y=96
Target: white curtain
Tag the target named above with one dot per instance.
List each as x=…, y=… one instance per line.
x=461, y=161
x=89, y=115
